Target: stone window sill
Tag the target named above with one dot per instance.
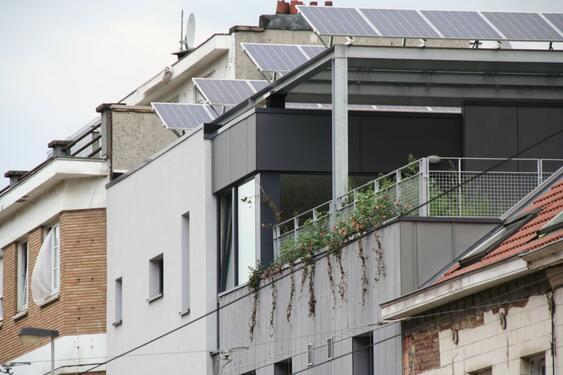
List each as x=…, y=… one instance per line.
x=184, y=313
x=20, y=315
x=155, y=298
x=118, y=323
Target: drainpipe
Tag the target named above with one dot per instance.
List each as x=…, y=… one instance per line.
x=551, y=306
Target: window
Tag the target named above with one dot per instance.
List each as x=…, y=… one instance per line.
x=310, y=355
x=330, y=348
x=246, y=215
x=283, y=367
x=118, y=319
x=534, y=365
x=485, y=371
x=238, y=233
x=22, y=277
x=1, y=287
x=156, y=277
x=185, y=265
x=362, y=358
x=55, y=258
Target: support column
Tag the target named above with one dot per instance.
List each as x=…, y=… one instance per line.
x=339, y=122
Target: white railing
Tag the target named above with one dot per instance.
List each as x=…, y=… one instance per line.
x=455, y=187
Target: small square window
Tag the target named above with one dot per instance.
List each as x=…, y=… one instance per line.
x=156, y=277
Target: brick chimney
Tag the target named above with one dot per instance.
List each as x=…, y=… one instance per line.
x=282, y=7
x=60, y=147
x=14, y=176
x=293, y=6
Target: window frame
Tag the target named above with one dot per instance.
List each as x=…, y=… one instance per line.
x=156, y=278
x=1, y=286
x=22, y=288
x=118, y=301
x=55, y=257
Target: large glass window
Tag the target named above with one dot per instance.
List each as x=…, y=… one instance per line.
x=22, y=276
x=246, y=214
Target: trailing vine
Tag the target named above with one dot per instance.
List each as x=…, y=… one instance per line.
x=365, y=281
x=371, y=210
x=379, y=261
x=289, y=308
x=330, y=272
x=274, y=290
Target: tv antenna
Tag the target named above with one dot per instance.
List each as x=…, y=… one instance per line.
x=187, y=37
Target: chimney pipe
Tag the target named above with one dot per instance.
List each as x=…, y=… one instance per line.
x=314, y=3
x=293, y=6
x=14, y=176
x=328, y=3
x=60, y=147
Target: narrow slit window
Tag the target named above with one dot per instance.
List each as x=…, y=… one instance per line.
x=185, y=265
x=1, y=288
x=56, y=258
x=156, y=277
x=310, y=355
x=118, y=319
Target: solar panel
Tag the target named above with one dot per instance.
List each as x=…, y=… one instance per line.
x=182, y=116
x=275, y=57
x=312, y=51
x=337, y=21
x=522, y=26
x=556, y=19
x=258, y=84
x=224, y=91
x=400, y=23
x=461, y=25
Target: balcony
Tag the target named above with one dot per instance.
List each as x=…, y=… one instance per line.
x=436, y=187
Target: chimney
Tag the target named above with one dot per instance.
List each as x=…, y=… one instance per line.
x=328, y=3
x=282, y=7
x=314, y=3
x=14, y=176
x=293, y=6
x=60, y=147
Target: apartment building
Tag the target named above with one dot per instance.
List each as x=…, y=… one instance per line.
x=496, y=308
x=221, y=198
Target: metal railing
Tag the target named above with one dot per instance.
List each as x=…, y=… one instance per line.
x=457, y=187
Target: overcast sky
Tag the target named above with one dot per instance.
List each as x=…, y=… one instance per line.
x=59, y=59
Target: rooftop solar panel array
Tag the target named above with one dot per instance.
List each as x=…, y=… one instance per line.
x=529, y=26
x=181, y=116
x=556, y=19
x=400, y=23
x=224, y=91
x=337, y=21
x=462, y=25
x=471, y=25
x=280, y=58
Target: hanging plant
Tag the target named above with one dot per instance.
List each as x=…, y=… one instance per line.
x=330, y=273
x=312, y=299
x=274, y=290
x=289, y=308
x=379, y=261
x=365, y=281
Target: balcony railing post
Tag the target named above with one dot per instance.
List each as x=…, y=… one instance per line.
x=397, y=185
x=459, y=186
x=422, y=186
x=540, y=171
x=295, y=227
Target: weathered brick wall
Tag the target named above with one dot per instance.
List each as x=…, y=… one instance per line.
x=428, y=346
x=80, y=308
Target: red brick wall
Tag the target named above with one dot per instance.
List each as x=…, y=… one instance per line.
x=81, y=306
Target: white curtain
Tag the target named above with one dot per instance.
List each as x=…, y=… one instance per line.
x=41, y=279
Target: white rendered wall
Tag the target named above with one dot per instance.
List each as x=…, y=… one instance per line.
x=144, y=214
x=72, y=194
x=69, y=351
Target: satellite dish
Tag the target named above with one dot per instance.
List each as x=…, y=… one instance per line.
x=189, y=39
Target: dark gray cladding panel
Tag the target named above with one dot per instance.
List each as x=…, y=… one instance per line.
x=502, y=130
x=300, y=141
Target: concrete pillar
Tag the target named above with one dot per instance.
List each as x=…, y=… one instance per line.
x=339, y=122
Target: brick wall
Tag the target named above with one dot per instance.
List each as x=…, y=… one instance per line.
x=80, y=308
x=428, y=345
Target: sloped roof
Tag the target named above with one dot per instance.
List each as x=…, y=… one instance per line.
x=526, y=238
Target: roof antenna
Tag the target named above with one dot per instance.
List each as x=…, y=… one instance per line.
x=187, y=39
